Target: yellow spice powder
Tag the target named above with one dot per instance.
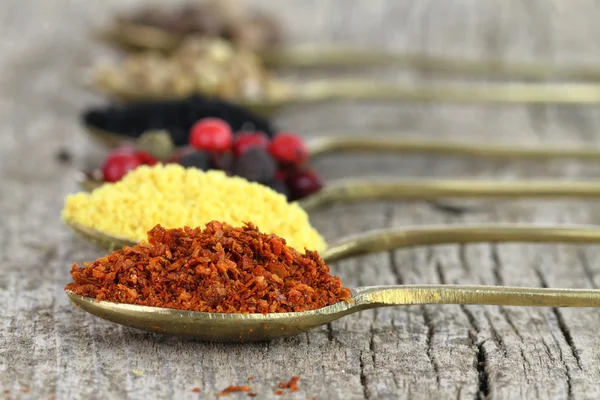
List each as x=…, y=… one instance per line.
x=174, y=196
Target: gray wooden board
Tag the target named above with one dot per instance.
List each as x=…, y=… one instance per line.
x=53, y=349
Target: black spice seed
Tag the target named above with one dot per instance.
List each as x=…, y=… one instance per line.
x=280, y=187
x=177, y=117
x=64, y=156
x=256, y=165
x=197, y=159
x=222, y=161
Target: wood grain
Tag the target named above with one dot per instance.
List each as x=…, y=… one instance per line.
x=53, y=349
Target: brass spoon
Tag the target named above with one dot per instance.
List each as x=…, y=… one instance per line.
x=257, y=327
x=340, y=56
x=144, y=37
x=289, y=93
x=387, y=239
x=219, y=327
x=352, y=190
x=378, y=142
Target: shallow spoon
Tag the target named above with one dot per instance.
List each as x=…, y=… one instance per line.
x=220, y=327
x=353, y=190
x=379, y=142
x=395, y=238
x=144, y=37
x=290, y=93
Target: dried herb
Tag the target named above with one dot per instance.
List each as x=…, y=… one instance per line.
x=200, y=65
x=217, y=269
x=247, y=28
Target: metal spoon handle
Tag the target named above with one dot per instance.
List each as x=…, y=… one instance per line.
x=369, y=90
x=566, y=93
x=475, y=148
x=150, y=38
x=348, y=191
x=319, y=56
x=389, y=239
x=370, y=297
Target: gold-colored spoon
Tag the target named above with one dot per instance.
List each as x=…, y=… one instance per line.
x=392, y=143
x=289, y=93
x=257, y=327
x=144, y=37
x=353, y=190
x=387, y=239
x=218, y=327
x=310, y=55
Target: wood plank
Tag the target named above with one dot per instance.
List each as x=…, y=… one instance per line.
x=54, y=349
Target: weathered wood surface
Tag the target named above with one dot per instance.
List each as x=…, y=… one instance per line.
x=53, y=349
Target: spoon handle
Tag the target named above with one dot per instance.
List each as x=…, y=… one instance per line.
x=370, y=297
x=319, y=56
x=529, y=93
x=370, y=90
x=389, y=239
x=150, y=38
x=347, y=191
x=473, y=148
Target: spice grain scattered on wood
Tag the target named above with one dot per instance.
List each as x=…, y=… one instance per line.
x=235, y=389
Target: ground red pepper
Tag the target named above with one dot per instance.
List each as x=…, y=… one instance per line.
x=278, y=392
x=235, y=389
x=216, y=269
x=196, y=390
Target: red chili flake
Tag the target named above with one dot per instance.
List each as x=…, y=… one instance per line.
x=250, y=378
x=25, y=390
x=196, y=390
x=235, y=389
x=7, y=391
x=252, y=394
x=278, y=392
x=293, y=383
x=216, y=269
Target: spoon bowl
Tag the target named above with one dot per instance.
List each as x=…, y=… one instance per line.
x=220, y=327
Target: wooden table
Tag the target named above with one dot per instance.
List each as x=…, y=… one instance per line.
x=49, y=348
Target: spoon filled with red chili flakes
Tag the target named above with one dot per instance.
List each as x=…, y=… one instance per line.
x=229, y=284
